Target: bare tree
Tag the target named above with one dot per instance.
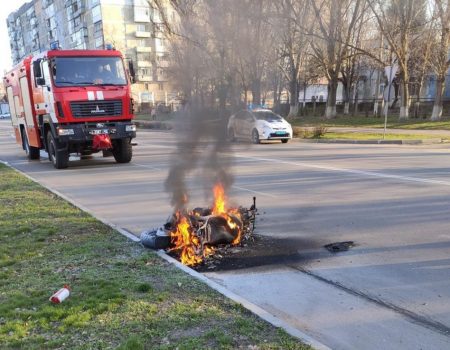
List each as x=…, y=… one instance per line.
x=351, y=64
x=336, y=22
x=289, y=21
x=440, y=59
x=400, y=22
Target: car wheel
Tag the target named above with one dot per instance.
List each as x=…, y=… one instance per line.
x=56, y=153
x=231, y=135
x=255, y=136
x=285, y=140
x=32, y=152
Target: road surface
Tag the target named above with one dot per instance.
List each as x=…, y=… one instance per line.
x=390, y=291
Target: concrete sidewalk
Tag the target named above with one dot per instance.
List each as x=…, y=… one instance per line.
x=388, y=131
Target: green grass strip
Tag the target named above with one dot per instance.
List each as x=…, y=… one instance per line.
x=123, y=296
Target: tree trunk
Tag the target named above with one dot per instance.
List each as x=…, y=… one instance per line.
x=256, y=92
x=437, y=107
x=347, y=100
x=346, y=89
x=293, y=111
x=293, y=106
x=222, y=92
x=355, y=99
x=404, y=106
x=331, y=100
x=347, y=108
x=417, y=104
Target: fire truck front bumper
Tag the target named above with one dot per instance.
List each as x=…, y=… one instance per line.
x=78, y=133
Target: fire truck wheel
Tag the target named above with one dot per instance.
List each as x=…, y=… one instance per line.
x=59, y=158
x=32, y=152
x=122, y=151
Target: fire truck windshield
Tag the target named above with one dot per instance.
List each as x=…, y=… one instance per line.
x=84, y=71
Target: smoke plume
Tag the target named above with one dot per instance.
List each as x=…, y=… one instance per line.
x=201, y=145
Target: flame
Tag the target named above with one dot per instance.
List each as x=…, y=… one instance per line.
x=185, y=239
x=219, y=200
x=233, y=225
x=208, y=250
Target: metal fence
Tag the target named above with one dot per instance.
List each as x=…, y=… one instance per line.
x=419, y=108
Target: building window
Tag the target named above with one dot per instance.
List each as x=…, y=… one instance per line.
x=77, y=21
x=142, y=42
x=96, y=14
x=141, y=14
x=146, y=86
x=98, y=27
x=161, y=86
x=141, y=28
x=99, y=42
x=143, y=57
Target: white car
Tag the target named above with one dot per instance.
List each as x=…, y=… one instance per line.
x=5, y=116
x=258, y=125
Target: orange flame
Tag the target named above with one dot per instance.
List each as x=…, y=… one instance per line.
x=185, y=240
x=189, y=244
x=208, y=250
x=219, y=200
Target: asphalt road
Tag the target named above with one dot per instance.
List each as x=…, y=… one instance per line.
x=390, y=291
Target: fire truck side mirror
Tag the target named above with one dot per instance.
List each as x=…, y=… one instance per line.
x=131, y=73
x=37, y=70
x=40, y=81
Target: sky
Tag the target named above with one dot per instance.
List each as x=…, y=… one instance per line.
x=5, y=56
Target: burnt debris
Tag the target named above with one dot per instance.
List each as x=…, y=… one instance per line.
x=339, y=246
x=195, y=236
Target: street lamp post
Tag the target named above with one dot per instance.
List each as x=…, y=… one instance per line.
x=388, y=101
x=392, y=71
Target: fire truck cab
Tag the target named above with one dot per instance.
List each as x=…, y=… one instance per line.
x=72, y=101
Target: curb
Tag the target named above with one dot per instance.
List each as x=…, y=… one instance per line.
x=372, y=142
x=164, y=126
x=255, y=309
x=71, y=201
x=153, y=125
x=261, y=313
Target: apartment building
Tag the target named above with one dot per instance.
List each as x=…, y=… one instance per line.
x=132, y=26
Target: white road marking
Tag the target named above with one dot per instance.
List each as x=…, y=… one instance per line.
x=255, y=192
x=350, y=171
x=146, y=166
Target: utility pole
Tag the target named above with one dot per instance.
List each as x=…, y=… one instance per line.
x=377, y=89
x=391, y=75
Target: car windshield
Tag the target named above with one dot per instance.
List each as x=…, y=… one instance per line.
x=82, y=71
x=267, y=116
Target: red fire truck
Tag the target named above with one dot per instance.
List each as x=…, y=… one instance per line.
x=72, y=101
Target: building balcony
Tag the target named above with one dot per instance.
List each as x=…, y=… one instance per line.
x=144, y=64
x=143, y=49
x=163, y=64
x=140, y=34
x=144, y=78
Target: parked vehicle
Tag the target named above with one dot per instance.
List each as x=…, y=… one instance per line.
x=258, y=125
x=72, y=101
x=4, y=111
